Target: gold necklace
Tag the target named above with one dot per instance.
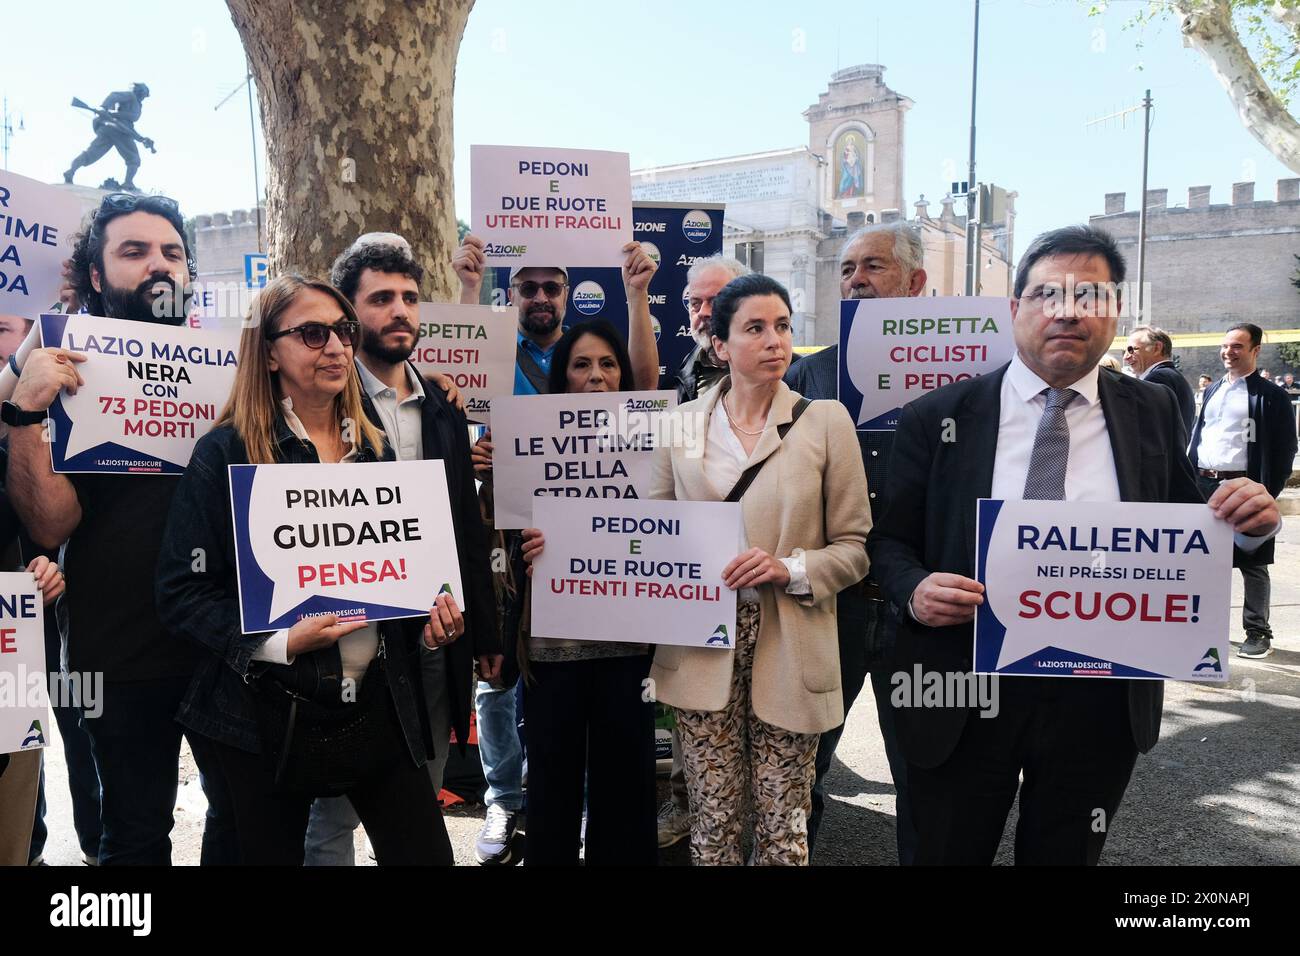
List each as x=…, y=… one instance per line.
x=732, y=422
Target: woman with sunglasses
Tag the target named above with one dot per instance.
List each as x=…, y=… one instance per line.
x=276, y=705
x=590, y=724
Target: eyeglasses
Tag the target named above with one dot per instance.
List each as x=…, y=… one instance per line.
x=316, y=334
x=529, y=289
x=129, y=202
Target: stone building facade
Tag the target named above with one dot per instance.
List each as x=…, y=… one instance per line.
x=1210, y=265
x=788, y=211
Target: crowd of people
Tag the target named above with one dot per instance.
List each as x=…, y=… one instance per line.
x=856, y=563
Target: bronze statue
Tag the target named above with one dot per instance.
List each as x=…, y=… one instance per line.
x=114, y=127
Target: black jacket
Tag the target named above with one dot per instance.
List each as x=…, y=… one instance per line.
x=1270, y=458
x=929, y=525
x=446, y=435
x=1167, y=374
x=202, y=606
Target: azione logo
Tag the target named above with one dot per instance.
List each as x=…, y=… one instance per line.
x=505, y=251
x=651, y=250
x=657, y=327
x=588, y=297
x=697, y=226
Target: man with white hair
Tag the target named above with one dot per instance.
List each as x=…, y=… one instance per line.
x=702, y=368
x=879, y=261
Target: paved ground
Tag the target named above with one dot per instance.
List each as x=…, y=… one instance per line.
x=1223, y=785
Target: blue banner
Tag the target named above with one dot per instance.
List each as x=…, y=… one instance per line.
x=675, y=234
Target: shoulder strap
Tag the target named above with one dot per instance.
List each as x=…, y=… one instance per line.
x=532, y=371
x=747, y=479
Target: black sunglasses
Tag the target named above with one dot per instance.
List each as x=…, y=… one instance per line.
x=316, y=334
x=550, y=287
x=129, y=202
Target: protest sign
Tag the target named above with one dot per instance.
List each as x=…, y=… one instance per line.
x=895, y=350
x=591, y=445
x=475, y=345
x=363, y=542
x=1103, y=589
x=24, y=691
x=675, y=236
x=150, y=392
x=551, y=207
x=37, y=223
x=645, y=572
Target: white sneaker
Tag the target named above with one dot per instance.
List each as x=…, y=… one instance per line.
x=673, y=825
x=492, y=848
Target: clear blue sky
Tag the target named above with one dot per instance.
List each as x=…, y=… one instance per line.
x=681, y=80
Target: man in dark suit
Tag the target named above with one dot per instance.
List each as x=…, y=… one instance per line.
x=1150, y=354
x=1246, y=429
x=1049, y=425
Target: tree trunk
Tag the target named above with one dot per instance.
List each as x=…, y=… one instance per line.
x=356, y=104
x=1207, y=26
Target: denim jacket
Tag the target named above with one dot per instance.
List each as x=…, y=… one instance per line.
x=198, y=600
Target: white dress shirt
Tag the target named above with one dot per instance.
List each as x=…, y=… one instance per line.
x=725, y=460
x=357, y=649
x=1223, y=436
x=1090, y=469
x=403, y=421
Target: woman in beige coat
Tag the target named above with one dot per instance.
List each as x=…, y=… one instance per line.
x=751, y=716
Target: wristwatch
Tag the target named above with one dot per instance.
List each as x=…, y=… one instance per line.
x=16, y=417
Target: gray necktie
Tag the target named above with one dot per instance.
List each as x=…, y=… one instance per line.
x=1051, y=454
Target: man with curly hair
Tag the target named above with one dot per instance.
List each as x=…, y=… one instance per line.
x=131, y=262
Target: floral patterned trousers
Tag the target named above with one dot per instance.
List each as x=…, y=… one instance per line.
x=730, y=751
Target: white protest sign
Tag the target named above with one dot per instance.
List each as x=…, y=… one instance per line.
x=365, y=542
x=551, y=207
x=24, y=689
x=37, y=223
x=895, y=350
x=590, y=445
x=646, y=572
x=151, y=391
x=475, y=346
x=1103, y=589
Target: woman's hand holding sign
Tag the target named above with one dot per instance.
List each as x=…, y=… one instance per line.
x=481, y=456
x=945, y=600
x=315, y=633
x=534, y=543
x=755, y=567
x=445, y=622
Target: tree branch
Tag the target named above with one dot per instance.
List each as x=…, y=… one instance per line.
x=1207, y=27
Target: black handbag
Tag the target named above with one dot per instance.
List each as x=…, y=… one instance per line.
x=322, y=745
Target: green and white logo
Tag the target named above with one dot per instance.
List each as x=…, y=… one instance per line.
x=1210, y=661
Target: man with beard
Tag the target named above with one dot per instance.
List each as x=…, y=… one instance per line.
x=382, y=281
x=880, y=261
x=702, y=368
x=539, y=294
x=131, y=262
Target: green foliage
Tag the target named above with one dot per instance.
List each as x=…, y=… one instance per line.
x=462, y=227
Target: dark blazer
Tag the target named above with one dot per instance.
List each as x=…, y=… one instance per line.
x=445, y=435
x=202, y=605
x=1167, y=374
x=1270, y=458
x=929, y=525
